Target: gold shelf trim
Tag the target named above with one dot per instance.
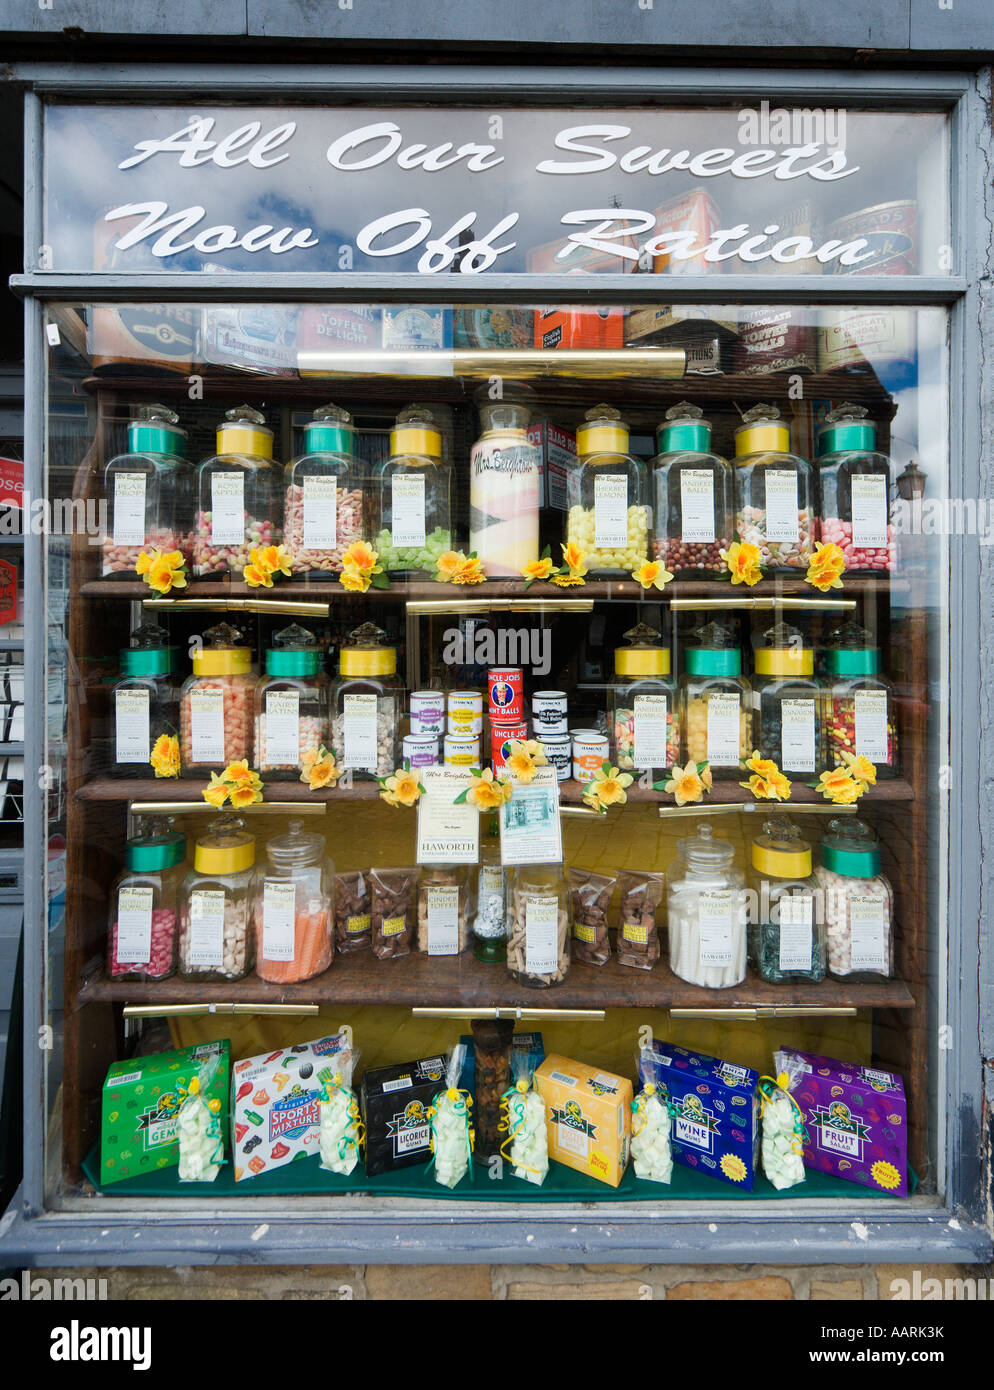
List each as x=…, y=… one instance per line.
x=427, y=607
x=760, y=1012
x=179, y=808
x=765, y=602
x=522, y=362
x=299, y=608
x=218, y=1007
x=583, y=1015
x=721, y=808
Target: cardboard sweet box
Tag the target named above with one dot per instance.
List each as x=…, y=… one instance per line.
x=274, y=1104
x=395, y=1103
x=715, y=1113
x=857, y=1121
x=587, y=1117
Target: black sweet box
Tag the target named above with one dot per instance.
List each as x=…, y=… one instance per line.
x=395, y=1102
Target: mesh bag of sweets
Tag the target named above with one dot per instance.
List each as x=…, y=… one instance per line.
x=590, y=896
x=353, y=905
x=638, y=935
x=394, y=911
x=340, y=1128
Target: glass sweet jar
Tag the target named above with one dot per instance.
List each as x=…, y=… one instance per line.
x=717, y=701
x=860, y=715
x=323, y=508
x=707, y=912
x=786, y=907
x=693, y=496
x=144, y=905
x=365, y=704
x=293, y=907
x=644, y=704
x=538, y=926
x=215, y=706
x=443, y=910
x=788, y=701
x=215, y=936
x=291, y=705
x=608, y=517
x=504, y=476
x=489, y=904
x=149, y=492
x=858, y=902
x=853, y=480
x=773, y=491
x=239, y=495
x=144, y=707
x=415, y=522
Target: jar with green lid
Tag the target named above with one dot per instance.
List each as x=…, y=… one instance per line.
x=716, y=701
x=291, y=705
x=786, y=918
x=773, y=491
x=860, y=715
x=415, y=498
x=706, y=911
x=144, y=707
x=215, y=936
x=858, y=902
x=693, y=496
x=215, y=707
x=293, y=907
x=538, y=926
x=149, y=492
x=239, y=496
x=644, y=704
x=608, y=517
x=323, y=508
x=788, y=702
x=365, y=704
x=144, y=904
x=853, y=480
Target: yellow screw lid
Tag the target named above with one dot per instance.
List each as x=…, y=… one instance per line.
x=780, y=852
x=793, y=661
x=603, y=433
x=762, y=431
x=225, y=848
x=415, y=433
x=644, y=655
x=244, y=431
x=222, y=653
x=367, y=654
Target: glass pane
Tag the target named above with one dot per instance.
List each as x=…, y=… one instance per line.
x=673, y=191
x=463, y=444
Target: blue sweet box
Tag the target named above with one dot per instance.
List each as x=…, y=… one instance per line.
x=715, y=1113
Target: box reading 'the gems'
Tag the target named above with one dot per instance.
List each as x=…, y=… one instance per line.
x=395, y=1101
x=715, y=1114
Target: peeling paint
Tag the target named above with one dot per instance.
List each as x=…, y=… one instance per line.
x=260, y=1231
x=859, y=1230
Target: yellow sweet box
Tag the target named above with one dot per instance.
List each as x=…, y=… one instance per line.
x=588, y=1117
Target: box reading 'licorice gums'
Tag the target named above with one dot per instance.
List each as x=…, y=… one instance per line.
x=715, y=1114
x=395, y=1102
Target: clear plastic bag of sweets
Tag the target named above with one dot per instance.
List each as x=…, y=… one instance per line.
x=651, y=1121
x=451, y=1130
x=523, y=1121
x=341, y=1129
x=201, y=1146
x=784, y=1135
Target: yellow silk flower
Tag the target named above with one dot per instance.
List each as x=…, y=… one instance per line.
x=686, y=784
x=608, y=786
x=362, y=557
x=447, y=564
x=744, y=562
x=837, y=785
x=524, y=758
x=486, y=793
x=652, y=575
x=470, y=571
x=860, y=768
x=538, y=569
x=354, y=581
x=320, y=771
x=401, y=789
x=165, y=756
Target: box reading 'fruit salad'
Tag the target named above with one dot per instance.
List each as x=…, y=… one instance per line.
x=715, y=1114
x=274, y=1104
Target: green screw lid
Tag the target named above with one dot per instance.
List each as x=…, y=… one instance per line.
x=294, y=653
x=850, y=848
x=156, y=431
x=150, y=853
x=846, y=427
x=683, y=430
x=149, y=653
x=715, y=653
x=849, y=661
x=330, y=431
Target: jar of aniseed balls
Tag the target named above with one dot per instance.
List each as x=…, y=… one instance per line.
x=858, y=902
x=692, y=496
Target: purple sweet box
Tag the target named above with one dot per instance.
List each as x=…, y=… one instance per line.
x=857, y=1121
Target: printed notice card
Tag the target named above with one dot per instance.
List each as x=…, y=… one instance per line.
x=530, y=830
x=447, y=834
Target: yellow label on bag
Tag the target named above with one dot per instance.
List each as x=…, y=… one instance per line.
x=393, y=926
x=631, y=931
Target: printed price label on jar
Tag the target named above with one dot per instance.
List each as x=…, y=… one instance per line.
x=207, y=726
x=282, y=727
x=697, y=505
x=541, y=934
x=869, y=510
x=796, y=931
x=443, y=921
x=129, y=509
x=227, y=508
x=134, y=926
x=716, y=916
x=360, y=732
x=407, y=501
x=870, y=721
x=723, y=728
x=868, y=933
x=278, y=912
x=797, y=735
x=206, y=941
x=320, y=512
x=610, y=511
x=649, y=733
x=131, y=732
x=781, y=505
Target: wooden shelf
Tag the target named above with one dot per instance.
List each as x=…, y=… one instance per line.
x=463, y=982
x=570, y=793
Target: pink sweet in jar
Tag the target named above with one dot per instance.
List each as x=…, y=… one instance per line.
x=854, y=491
x=240, y=492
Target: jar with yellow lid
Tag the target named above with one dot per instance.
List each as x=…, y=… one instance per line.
x=323, y=507
x=215, y=707
x=149, y=491
x=692, y=495
x=291, y=705
x=415, y=499
x=365, y=704
x=644, y=704
x=773, y=491
x=215, y=937
x=608, y=518
x=716, y=701
x=788, y=702
x=786, y=908
x=239, y=495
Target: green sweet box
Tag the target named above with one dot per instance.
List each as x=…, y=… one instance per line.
x=140, y=1107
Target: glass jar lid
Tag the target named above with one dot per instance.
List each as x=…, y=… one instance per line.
x=367, y=653
x=783, y=653
x=504, y=415
x=644, y=655
x=762, y=431
x=329, y=431
x=684, y=429
x=244, y=431
x=540, y=878
x=148, y=652
x=157, y=846
x=225, y=847
x=703, y=851
x=294, y=653
x=781, y=851
x=296, y=848
x=155, y=430
x=850, y=847
x=222, y=654
x=415, y=432
x=852, y=652
x=846, y=427
x=715, y=652
x=603, y=432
